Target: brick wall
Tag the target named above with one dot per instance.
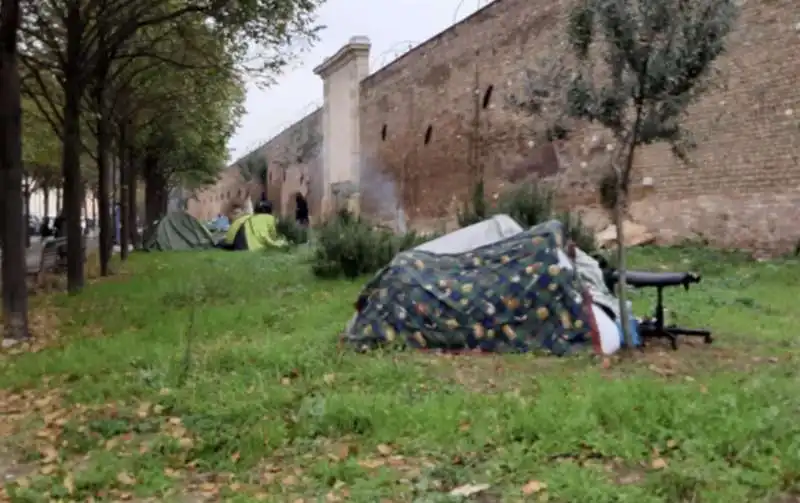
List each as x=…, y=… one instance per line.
x=425, y=131
x=293, y=162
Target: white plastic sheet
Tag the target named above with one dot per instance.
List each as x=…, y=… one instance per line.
x=469, y=238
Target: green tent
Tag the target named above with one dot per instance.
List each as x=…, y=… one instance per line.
x=253, y=233
x=179, y=231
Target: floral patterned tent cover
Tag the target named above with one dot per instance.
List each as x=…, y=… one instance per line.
x=509, y=296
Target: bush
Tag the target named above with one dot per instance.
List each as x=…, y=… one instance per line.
x=350, y=246
x=295, y=233
x=577, y=231
x=529, y=204
x=475, y=210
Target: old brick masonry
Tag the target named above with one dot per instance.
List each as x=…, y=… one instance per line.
x=430, y=119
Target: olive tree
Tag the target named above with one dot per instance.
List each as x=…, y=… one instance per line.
x=634, y=67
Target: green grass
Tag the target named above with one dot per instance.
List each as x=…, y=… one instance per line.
x=263, y=405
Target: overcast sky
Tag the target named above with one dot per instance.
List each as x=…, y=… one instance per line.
x=391, y=25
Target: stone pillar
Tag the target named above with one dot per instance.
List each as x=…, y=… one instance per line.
x=342, y=74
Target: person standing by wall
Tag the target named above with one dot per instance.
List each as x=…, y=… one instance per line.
x=301, y=209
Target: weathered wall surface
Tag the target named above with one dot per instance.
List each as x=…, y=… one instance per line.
x=424, y=126
x=209, y=203
x=293, y=163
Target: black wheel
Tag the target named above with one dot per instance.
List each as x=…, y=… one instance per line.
x=708, y=339
x=674, y=341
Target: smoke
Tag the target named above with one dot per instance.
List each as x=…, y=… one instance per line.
x=381, y=195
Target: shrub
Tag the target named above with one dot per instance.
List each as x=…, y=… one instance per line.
x=476, y=209
x=350, y=246
x=529, y=204
x=295, y=233
x=577, y=231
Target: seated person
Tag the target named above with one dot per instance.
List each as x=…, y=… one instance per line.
x=221, y=223
x=254, y=232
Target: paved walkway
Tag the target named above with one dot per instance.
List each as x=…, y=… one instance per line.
x=34, y=254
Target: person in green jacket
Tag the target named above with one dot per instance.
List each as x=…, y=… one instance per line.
x=254, y=232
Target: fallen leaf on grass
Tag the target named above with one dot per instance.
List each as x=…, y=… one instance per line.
x=125, y=479
x=49, y=454
x=384, y=450
x=342, y=452
x=533, y=487
x=658, y=464
x=69, y=484
x=468, y=490
x=208, y=488
x=171, y=473
x=371, y=464
x=143, y=411
x=47, y=469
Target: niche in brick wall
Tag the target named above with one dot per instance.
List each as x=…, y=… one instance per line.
x=384, y=131
x=428, y=134
x=487, y=97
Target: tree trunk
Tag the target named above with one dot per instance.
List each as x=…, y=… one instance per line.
x=14, y=287
x=59, y=206
x=124, y=200
x=46, y=197
x=26, y=187
x=106, y=222
x=622, y=179
x=155, y=187
x=622, y=266
x=132, y=212
x=85, y=212
x=73, y=186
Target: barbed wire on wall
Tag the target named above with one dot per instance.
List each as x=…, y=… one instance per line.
x=299, y=115
x=479, y=4
x=396, y=50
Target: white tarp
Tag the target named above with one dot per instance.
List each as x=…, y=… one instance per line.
x=484, y=233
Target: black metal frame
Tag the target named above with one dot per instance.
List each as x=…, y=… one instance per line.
x=655, y=326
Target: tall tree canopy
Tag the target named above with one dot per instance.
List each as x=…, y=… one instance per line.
x=169, y=74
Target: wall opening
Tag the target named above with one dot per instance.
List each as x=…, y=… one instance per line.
x=428, y=134
x=487, y=96
x=383, y=132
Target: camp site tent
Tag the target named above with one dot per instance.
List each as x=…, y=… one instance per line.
x=253, y=232
x=178, y=231
x=492, y=286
